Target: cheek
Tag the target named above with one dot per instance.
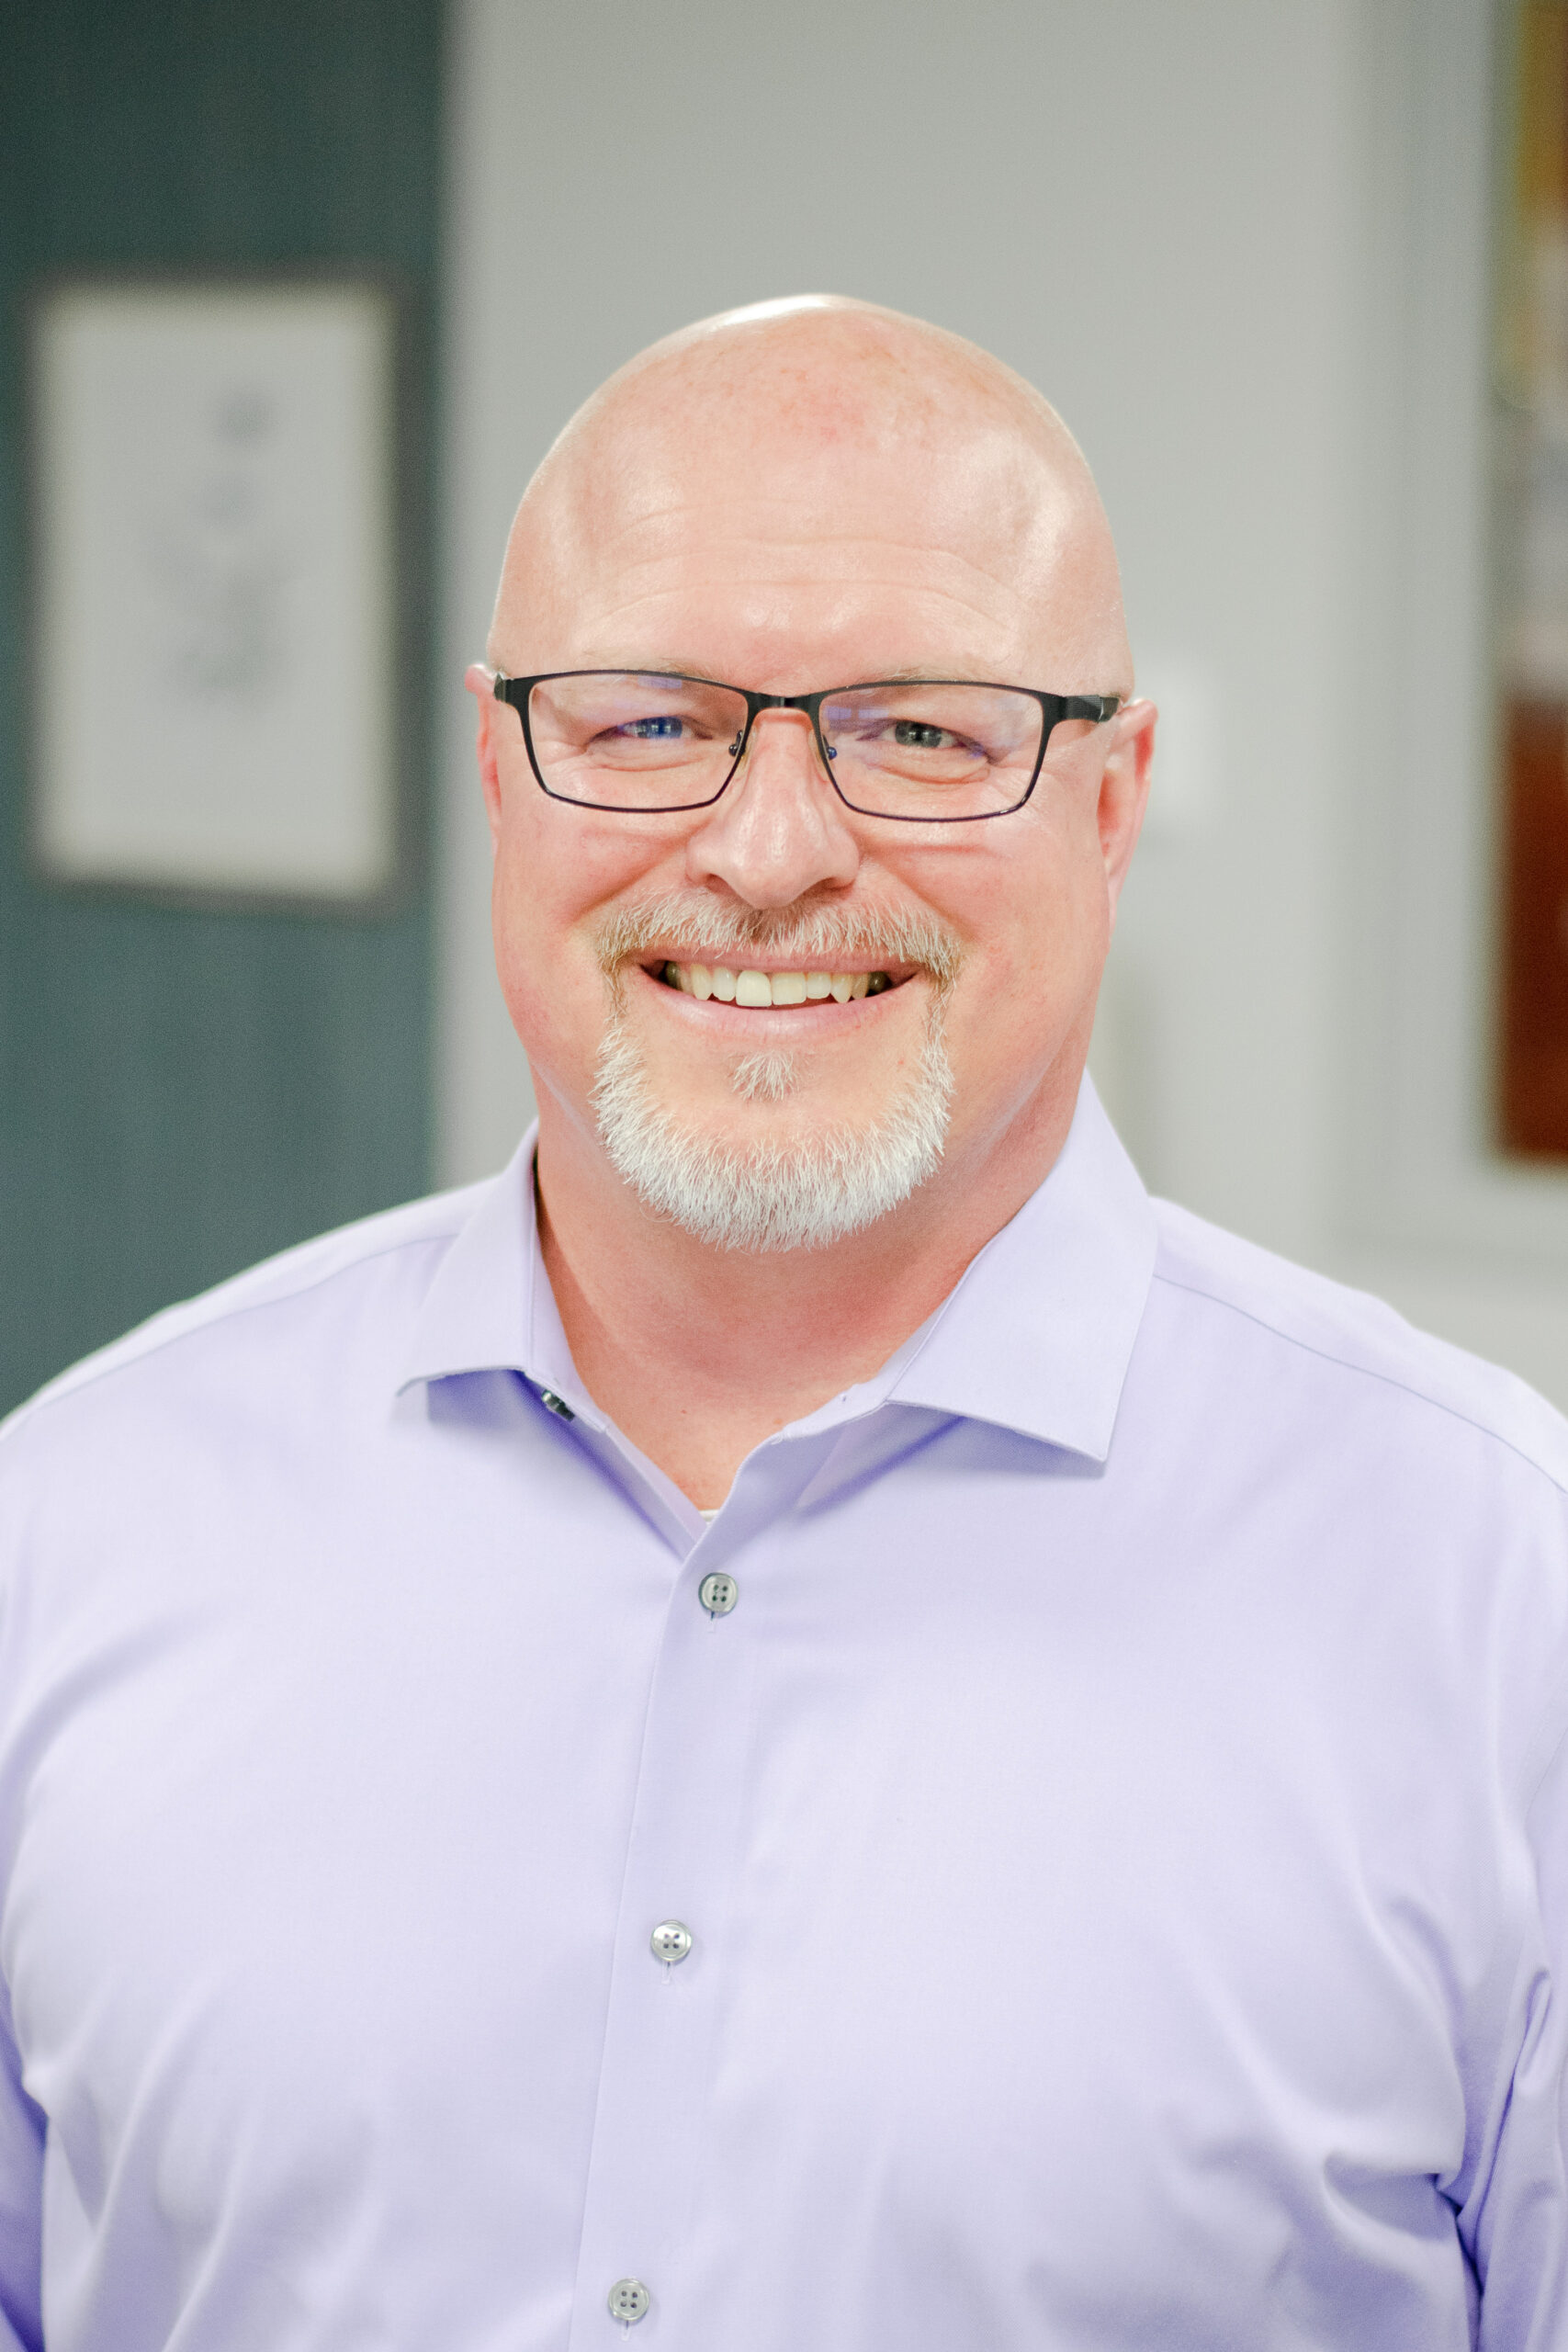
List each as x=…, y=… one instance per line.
x=556, y=873
x=1040, y=934
x=1033, y=905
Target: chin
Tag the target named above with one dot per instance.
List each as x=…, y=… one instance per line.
x=777, y=1166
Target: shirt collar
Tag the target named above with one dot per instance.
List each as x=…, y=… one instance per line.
x=1036, y=1335
x=481, y=1311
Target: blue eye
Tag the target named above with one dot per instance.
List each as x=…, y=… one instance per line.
x=663, y=729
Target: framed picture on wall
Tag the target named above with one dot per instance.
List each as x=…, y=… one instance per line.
x=214, y=589
x=1531, y=545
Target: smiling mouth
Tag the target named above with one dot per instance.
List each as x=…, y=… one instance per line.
x=758, y=991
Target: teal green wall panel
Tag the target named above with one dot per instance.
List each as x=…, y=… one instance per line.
x=183, y=1091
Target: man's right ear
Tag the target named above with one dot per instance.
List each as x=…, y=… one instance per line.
x=479, y=679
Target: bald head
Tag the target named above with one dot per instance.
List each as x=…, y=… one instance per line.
x=810, y=454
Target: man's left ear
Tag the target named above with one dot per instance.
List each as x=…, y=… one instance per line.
x=1125, y=788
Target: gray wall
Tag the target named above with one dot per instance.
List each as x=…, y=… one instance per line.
x=1202, y=230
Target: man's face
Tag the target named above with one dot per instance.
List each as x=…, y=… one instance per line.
x=785, y=563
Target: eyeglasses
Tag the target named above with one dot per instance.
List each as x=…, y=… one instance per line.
x=922, y=750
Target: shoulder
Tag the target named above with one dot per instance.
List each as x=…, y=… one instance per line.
x=1352, y=1341
x=381, y=1264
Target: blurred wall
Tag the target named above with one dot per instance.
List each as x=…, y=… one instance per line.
x=184, y=1090
x=1241, y=244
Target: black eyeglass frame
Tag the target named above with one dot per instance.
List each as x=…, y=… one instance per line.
x=1053, y=708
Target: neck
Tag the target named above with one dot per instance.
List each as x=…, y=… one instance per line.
x=697, y=1354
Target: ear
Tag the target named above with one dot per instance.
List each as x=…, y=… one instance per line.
x=1124, y=790
x=481, y=682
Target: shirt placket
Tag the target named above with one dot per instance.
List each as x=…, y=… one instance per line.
x=671, y=1959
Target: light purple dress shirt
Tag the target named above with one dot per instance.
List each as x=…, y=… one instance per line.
x=1122, y=1823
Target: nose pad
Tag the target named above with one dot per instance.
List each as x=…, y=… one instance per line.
x=750, y=736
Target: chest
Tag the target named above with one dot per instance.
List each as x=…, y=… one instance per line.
x=1033, y=1873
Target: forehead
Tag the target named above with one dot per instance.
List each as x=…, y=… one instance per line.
x=907, y=537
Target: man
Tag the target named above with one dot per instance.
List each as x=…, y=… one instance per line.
x=804, y=1723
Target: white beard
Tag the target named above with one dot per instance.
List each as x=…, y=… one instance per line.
x=771, y=1197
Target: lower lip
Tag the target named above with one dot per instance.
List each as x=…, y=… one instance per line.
x=771, y=1021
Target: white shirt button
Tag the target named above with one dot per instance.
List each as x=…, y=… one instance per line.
x=670, y=1940
x=628, y=2299
x=718, y=1594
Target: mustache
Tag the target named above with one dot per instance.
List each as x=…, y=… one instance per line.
x=689, y=927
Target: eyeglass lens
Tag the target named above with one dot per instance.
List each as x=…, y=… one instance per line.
x=620, y=740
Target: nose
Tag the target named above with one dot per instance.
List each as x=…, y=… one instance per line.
x=780, y=830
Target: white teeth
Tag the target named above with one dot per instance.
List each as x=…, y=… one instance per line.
x=758, y=991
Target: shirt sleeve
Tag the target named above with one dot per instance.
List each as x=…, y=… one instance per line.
x=22, y=2121
x=1518, y=2238
x=21, y=2199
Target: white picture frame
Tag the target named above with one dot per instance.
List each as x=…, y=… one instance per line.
x=214, y=598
